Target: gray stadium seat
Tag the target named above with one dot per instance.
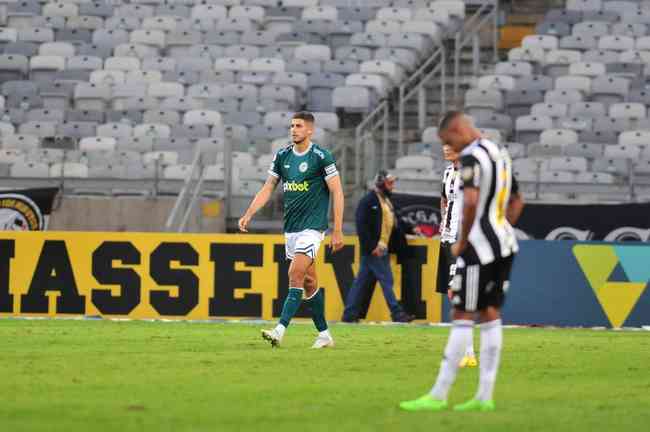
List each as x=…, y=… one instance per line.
x=553, y=110
x=518, y=102
x=529, y=128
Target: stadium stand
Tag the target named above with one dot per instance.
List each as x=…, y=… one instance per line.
x=572, y=100
x=120, y=76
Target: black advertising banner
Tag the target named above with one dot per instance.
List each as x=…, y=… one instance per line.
x=418, y=211
x=606, y=222
x=26, y=209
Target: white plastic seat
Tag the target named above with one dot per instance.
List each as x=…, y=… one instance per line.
x=627, y=110
x=532, y=54
x=97, y=144
x=378, y=83
x=115, y=130
x=558, y=137
x=142, y=78
x=385, y=68
x=231, y=64
x=163, y=158
x=396, y=14
x=278, y=119
x=20, y=142
x=587, y=109
x=353, y=98
x=313, y=53
x=69, y=170
x=514, y=69
x=161, y=64
x=207, y=117
x=414, y=162
x=588, y=69
x=568, y=164
x=594, y=178
x=580, y=83
x=427, y=28
x=60, y=9
x=622, y=152
x=161, y=23
x=155, y=38
x=253, y=13
x=61, y=49
x=22, y=169
x=499, y=82
x=322, y=12
x=122, y=63
x=634, y=138
x=215, y=12
x=166, y=89
x=556, y=177
x=545, y=42
x=616, y=43
x=383, y=26
x=584, y=5
x=553, y=110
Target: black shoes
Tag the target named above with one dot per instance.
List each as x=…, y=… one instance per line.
x=404, y=318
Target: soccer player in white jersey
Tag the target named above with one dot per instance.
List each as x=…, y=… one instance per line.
x=451, y=204
x=485, y=249
x=309, y=175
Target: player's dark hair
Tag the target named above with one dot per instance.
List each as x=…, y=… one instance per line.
x=303, y=115
x=447, y=119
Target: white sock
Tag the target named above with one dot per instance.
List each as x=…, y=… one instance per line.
x=459, y=337
x=491, y=342
x=470, y=348
x=325, y=334
x=280, y=329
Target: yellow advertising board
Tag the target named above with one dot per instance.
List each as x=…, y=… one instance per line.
x=185, y=276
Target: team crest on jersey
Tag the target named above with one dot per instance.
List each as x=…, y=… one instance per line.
x=303, y=167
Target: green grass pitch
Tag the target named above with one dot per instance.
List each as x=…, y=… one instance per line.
x=62, y=375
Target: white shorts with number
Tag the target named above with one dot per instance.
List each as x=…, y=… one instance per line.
x=306, y=242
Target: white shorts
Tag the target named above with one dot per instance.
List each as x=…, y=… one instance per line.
x=305, y=242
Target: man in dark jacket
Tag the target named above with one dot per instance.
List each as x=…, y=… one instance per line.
x=379, y=234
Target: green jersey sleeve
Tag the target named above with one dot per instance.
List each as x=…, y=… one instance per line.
x=328, y=164
x=274, y=168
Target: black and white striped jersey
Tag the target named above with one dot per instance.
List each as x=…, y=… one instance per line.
x=452, y=191
x=487, y=167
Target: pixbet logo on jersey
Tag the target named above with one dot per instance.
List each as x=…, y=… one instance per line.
x=296, y=187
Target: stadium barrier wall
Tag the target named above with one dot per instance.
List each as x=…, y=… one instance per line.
x=129, y=214
x=184, y=276
x=570, y=283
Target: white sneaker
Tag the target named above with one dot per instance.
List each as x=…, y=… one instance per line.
x=272, y=336
x=323, y=342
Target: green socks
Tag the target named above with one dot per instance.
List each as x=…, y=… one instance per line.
x=291, y=305
x=317, y=305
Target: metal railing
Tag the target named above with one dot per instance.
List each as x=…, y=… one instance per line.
x=469, y=33
x=415, y=85
x=189, y=196
x=364, y=137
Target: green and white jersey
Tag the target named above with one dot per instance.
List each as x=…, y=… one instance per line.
x=306, y=195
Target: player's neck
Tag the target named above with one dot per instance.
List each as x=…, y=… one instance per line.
x=303, y=146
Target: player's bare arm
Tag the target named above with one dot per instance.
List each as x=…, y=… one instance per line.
x=260, y=200
x=515, y=207
x=336, y=189
x=470, y=202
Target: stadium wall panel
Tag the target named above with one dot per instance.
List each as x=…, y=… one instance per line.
x=569, y=283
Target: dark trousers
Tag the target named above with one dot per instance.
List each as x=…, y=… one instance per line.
x=445, y=261
x=379, y=269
